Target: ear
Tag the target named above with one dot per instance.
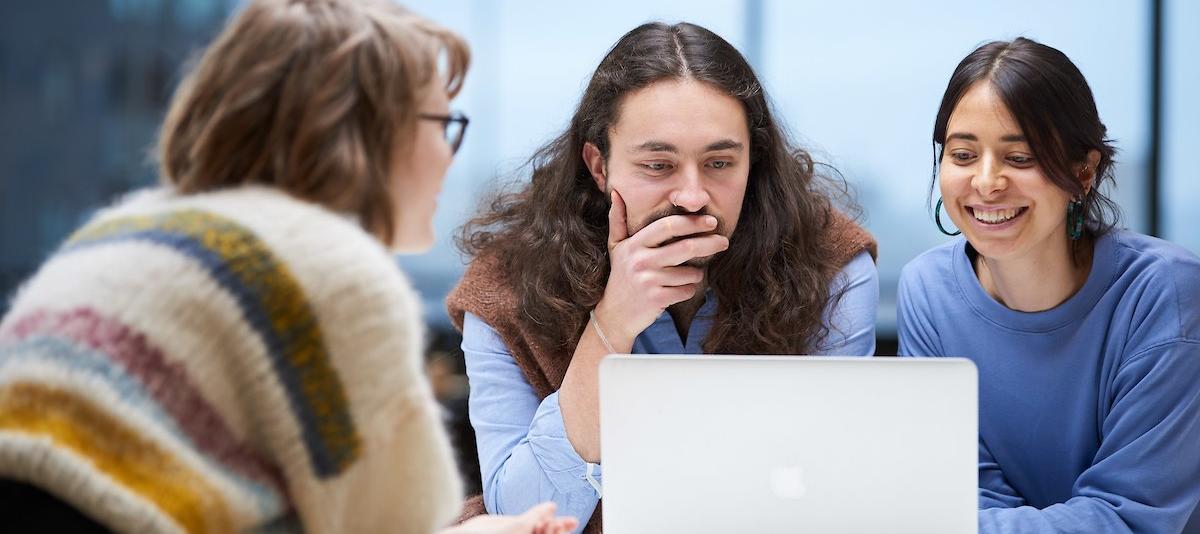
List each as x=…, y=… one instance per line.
x=1087, y=177
x=595, y=164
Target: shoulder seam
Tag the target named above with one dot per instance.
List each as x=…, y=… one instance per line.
x=1146, y=351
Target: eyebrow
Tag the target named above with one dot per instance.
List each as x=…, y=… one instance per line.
x=725, y=144
x=656, y=146
x=660, y=146
x=1010, y=138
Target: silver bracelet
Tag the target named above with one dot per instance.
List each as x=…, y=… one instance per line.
x=599, y=332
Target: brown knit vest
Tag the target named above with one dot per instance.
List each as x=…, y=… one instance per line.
x=485, y=293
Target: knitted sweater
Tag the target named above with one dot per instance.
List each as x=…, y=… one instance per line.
x=485, y=292
x=223, y=362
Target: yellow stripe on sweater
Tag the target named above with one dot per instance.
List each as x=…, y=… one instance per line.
x=274, y=304
x=116, y=450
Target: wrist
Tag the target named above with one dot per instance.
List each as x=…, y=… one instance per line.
x=607, y=328
x=608, y=347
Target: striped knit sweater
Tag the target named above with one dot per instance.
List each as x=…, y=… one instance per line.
x=224, y=362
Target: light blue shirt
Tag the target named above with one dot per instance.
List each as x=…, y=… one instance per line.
x=1089, y=413
x=524, y=454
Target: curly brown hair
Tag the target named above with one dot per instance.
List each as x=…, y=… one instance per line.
x=550, y=236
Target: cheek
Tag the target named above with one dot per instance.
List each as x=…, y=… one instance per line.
x=636, y=213
x=727, y=199
x=433, y=154
x=624, y=177
x=1053, y=201
x=729, y=195
x=434, y=165
x=953, y=181
x=436, y=161
x=641, y=196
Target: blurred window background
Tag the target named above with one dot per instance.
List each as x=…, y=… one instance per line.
x=84, y=85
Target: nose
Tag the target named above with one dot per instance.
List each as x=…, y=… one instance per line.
x=990, y=178
x=689, y=193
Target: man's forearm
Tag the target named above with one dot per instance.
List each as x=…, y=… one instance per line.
x=579, y=396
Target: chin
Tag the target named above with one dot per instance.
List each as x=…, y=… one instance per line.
x=993, y=248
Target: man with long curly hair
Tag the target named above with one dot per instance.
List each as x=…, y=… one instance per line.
x=673, y=216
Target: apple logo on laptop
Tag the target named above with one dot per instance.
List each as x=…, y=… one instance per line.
x=788, y=482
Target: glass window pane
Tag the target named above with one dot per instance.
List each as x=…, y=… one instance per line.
x=1181, y=122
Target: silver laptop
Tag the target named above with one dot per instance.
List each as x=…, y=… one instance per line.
x=788, y=444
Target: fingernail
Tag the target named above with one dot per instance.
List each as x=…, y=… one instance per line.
x=710, y=220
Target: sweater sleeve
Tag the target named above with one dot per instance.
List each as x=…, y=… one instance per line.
x=404, y=479
x=1144, y=476
x=524, y=454
x=852, y=319
x=994, y=489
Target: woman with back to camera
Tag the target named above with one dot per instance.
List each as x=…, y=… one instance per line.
x=1086, y=336
x=236, y=350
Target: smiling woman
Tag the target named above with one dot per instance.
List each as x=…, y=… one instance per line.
x=1024, y=134
x=994, y=190
x=1086, y=337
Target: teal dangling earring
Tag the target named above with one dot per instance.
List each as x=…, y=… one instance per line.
x=937, y=218
x=1075, y=218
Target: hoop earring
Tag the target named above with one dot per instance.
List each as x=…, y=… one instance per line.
x=937, y=218
x=1075, y=218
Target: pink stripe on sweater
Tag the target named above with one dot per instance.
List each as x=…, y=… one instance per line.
x=165, y=381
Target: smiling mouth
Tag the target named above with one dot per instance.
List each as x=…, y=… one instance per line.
x=996, y=216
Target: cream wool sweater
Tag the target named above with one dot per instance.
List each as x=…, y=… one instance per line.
x=223, y=362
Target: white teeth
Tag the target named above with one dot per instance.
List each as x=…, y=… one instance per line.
x=996, y=216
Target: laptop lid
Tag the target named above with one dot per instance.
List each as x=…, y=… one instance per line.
x=788, y=444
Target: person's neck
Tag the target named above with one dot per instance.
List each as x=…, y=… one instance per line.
x=683, y=313
x=1036, y=282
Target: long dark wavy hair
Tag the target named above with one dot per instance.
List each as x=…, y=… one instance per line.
x=1054, y=107
x=550, y=236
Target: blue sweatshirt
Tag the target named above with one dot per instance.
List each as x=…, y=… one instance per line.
x=1089, y=413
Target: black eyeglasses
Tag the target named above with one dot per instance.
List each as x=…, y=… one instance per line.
x=454, y=126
